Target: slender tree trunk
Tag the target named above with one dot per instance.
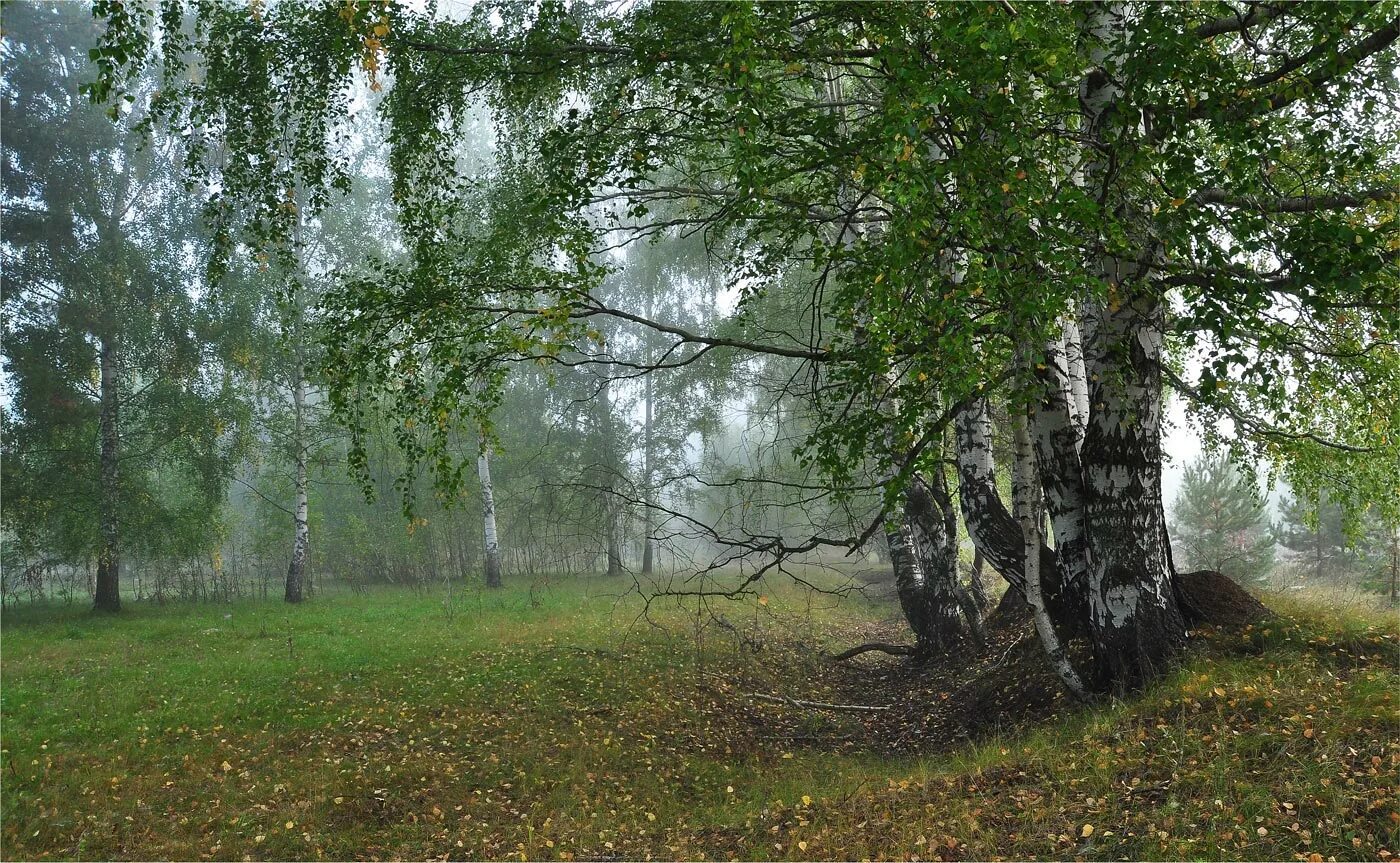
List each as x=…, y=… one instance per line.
x=994, y=532
x=647, y=560
x=301, y=529
x=488, y=518
x=612, y=523
x=1026, y=504
x=108, y=588
x=1078, y=379
x=1056, y=442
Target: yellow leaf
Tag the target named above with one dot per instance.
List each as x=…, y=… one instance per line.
x=1006, y=187
x=763, y=600
x=257, y=840
x=1177, y=202
x=806, y=800
x=226, y=767
x=381, y=29
x=801, y=846
x=1087, y=831
x=651, y=816
x=729, y=789
x=291, y=824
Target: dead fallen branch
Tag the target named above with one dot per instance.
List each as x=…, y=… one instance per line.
x=816, y=705
x=892, y=649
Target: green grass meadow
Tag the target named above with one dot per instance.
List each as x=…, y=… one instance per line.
x=575, y=721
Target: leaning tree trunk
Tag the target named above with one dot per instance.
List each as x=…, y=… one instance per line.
x=488, y=518
x=107, y=595
x=301, y=530
x=994, y=533
x=1135, y=623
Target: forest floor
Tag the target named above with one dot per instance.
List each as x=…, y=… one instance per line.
x=557, y=721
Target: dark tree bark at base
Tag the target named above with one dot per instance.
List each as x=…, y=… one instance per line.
x=107, y=595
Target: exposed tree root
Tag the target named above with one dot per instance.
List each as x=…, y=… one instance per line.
x=892, y=649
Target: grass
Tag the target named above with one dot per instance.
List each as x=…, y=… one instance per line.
x=559, y=723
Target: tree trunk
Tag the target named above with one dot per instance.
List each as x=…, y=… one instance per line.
x=1056, y=441
x=301, y=530
x=646, y=474
x=1026, y=504
x=612, y=465
x=1133, y=612
x=995, y=534
x=977, y=585
x=1135, y=623
x=488, y=518
x=1077, y=378
x=933, y=605
x=108, y=589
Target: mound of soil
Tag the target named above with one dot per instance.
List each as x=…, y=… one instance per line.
x=967, y=693
x=1209, y=597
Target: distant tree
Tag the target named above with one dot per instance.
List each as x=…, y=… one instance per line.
x=1316, y=533
x=1381, y=557
x=1219, y=520
x=121, y=420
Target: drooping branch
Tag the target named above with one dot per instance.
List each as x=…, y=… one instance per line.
x=1295, y=204
x=1259, y=13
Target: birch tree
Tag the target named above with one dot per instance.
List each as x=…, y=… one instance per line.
x=1171, y=178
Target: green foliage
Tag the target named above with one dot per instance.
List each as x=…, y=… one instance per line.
x=100, y=239
x=1219, y=520
x=1320, y=535
x=861, y=149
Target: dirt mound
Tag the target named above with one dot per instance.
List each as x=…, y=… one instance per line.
x=1209, y=597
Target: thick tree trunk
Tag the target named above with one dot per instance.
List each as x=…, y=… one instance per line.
x=1134, y=618
x=488, y=518
x=107, y=595
x=301, y=530
x=934, y=607
x=1135, y=624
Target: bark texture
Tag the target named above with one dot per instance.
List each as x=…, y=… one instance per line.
x=301, y=529
x=107, y=593
x=935, y=607
x=1026, y=502
x=488, y=518
x=1134, y=619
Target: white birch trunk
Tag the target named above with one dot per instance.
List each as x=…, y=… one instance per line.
x=1026, y=507
x=492, y=541
x=301, y=528
x=1078, y=378
x=1134, y=619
